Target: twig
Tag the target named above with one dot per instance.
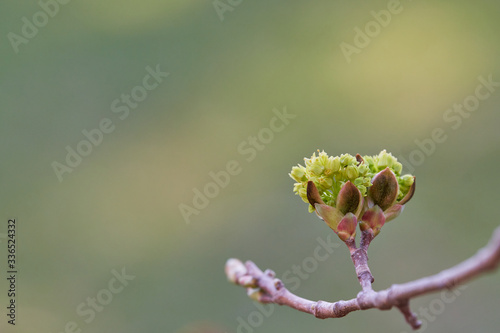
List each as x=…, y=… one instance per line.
x=264, y=287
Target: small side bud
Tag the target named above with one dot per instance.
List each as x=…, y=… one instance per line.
x=234, y=269
x=392, y=212
x=346, y=229
x=298, y=173
x=373, y=219
x=247, y=281
x=255, y=294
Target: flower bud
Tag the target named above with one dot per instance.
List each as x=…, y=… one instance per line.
x=234, y=269
x=332, y=165
x=346, y=229
x=386, y=160
x=317, y=169
x=352, y=172
x=363, y=169
x=373, y=219
x=298, y=173
x=325, y=182
x=408, y=195
x=384, y=190
x=407, y=180
x=346, y=159
x=397, y=167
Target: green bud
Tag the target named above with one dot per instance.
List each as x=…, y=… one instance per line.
x=298, y=173
x=383, y=160
x=369, y=162
x=397, y=168
x=408, y=195
x=325, y=182
x=358, y=181
x=317, y=168
x=352, y=172
x=407, y=180
x=362, y=189
x=303, y=194
x=363, y=169
x=332, y=165
x=347, y=159
x=323, y=158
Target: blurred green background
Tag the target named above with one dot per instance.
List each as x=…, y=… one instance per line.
x=119, y=208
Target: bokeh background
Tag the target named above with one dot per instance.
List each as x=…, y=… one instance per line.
x=119, y=208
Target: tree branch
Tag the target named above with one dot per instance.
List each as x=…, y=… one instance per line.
x=265, y=288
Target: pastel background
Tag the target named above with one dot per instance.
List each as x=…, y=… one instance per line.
x=119, y=207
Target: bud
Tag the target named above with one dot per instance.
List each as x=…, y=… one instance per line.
x=322, y=158
x=234, y=269
x=363, y=169
x=325, y=181
x=384, y=190
x=317, y=169
x=373, y=219
x=349, y=199
x=397, y=167
x=392, y=212
x=346, y=229
x=407, y=180
x=359, y=159
x=332, y=165
x=298, y=173
x=351, y=172
x=313, y=195
x=408, y=195
x=331, y=181
x=247, y=281
x=329, y=214
x=255, y=294
x=386, y=160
